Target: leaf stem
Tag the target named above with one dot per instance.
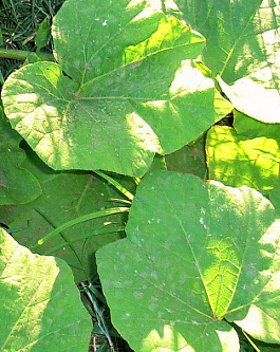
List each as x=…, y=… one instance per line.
x=22, y=55
x=85, y=237
x=87, y=217
x=116, y=184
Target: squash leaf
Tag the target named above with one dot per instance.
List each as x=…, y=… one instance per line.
x=40, y=304
x=118, y=93
x=197, y=256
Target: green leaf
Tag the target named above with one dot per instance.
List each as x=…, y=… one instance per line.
x=256, y=95
x=17, y=184
x=196, y=256
x=243, y=48
x=67, y=196
x=40, y=304
x=237, y=160
x=43, y=35
x=274, y=197
x=252, y=128
x=118, y=93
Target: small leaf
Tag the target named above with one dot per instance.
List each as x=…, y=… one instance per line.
x=196, y=256
x=40, y=304
x=237, y=160
x=43, y=35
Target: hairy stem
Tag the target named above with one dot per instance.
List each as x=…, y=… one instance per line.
x=22, y=55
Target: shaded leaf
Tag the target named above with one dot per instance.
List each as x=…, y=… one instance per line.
x=67, y=196
x=17, y=184
x=196, y=256
x=252, y=128
x=190, y=159
x=118, y=93
x=40, y=303
x=237, y=160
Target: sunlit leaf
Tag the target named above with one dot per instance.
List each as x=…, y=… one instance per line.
x=196, y=256
x=243, y=48
x=237, y=160
x=40, y=305
x=253, y=128
x=118, y=93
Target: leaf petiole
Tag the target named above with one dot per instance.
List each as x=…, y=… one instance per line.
x=116, y=184
x=22, y=55
x=83, y=218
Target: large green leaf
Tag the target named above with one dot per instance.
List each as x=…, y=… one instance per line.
x=243, y=48
x=196, y=256
x=118, y=93
x=40, y=306
x=17, y=185
x=66, y=196
x=237, y=160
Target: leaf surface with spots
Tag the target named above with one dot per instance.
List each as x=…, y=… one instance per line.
x=118, y=93
x=197, y=256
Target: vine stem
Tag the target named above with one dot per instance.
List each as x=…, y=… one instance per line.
x=22, y=55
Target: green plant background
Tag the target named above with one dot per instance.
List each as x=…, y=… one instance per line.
x=130, y=87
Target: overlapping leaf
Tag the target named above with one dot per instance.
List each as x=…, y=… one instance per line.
x=237, y=160
x=195, y=254
x=113, y=98
x=189, y=159
x=17, y=184
x=40, y=306
x=66, y=196
x=243, y=47
x=252, y=128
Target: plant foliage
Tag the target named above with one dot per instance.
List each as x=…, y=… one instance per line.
x=185, y=86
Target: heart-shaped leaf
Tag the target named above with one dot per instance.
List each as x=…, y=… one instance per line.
x=17, y=185
x=40, y=306
x=118, y=93
x=196, y=256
